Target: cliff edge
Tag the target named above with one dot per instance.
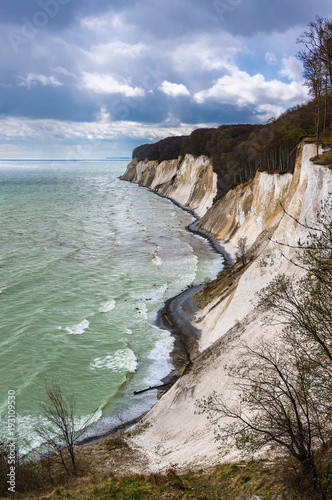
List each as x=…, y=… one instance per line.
x=172, y=433
x=188, y=180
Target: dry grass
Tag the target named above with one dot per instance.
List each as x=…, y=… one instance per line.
x=323, y=159
x=259, y=479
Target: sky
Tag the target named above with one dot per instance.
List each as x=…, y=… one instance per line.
x=95, y=78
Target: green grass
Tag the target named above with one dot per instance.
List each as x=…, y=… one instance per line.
x=228, y=481
x=323, y=159
x=237, y=481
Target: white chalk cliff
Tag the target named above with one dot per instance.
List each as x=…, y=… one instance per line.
x=188, y=180
x=171, y=433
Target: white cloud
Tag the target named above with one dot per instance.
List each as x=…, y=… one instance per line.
x=103, y=115
x=63, y=71
x=270, y=58
x=267, y=111
x=292, y=68
x=206, y=53
x=81, y=139
x=108, y=84
x=31, y=80
x=95, y=23
x=106, y=23
x=105, y=52
x=173, y=89
x=241, y=89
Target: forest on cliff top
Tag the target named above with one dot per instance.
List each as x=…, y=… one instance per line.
x=238, y=150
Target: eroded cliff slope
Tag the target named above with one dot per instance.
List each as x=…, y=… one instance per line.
x=172, y=433
x=188, y=180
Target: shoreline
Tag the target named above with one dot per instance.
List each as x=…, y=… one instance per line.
x=177, y=312
x=228, y=261
x=175, y=316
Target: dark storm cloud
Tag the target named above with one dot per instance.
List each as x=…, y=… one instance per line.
x=239, y=17
x=251, y=16
x=149, y=62
x=61, y=12
x=58, y=103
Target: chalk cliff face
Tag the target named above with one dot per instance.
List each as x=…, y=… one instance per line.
x=172, y=433
x=189, y=180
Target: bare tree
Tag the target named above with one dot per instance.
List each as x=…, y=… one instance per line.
x=241, y=250
x=284, y=387
x=60, y=427
x=317, y=64
x=318, y=42
x=305, y=307
x=280, y=405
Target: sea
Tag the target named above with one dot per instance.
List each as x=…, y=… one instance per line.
x=86, y=261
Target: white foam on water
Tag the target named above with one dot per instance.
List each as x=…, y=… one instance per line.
x=59, y=327
x=160, y=354
x=157, y=261
x=154, y=294
x=108, y=306
x=129, y=332
x=163, y=346
x=79, y=328
x=27, y=424
x=141, y=311
x=123, y=359
x=79, y=422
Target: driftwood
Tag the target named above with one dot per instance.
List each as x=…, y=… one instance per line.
x=154, y=387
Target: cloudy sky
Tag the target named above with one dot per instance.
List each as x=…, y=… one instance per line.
x=95, y=78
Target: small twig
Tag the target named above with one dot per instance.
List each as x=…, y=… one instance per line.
x=292, y=262
x=300, y=223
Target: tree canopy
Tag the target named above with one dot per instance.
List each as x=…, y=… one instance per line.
x=238, y=150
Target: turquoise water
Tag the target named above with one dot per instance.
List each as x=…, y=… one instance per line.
x=86, y=260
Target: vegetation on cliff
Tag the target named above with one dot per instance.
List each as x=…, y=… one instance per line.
x=237, y=151
x=284, y=385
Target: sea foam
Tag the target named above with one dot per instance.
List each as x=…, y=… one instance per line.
x=79, y=328
x=108, y=306
x=157, y=260
x=123, y=359
x=153, y=294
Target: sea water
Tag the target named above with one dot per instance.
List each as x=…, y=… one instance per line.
x=86, y=261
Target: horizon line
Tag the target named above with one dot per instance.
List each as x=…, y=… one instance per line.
x=108, y=158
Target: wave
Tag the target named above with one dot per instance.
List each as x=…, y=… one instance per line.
x=141, y=311
x=108, y=306
x=154, y=294
x=162, y=347
x=123, y=359
x=26, y=424
x=157, y=261
x=160, y=354
x=79, y=328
